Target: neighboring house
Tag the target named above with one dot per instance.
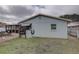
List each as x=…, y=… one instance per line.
x=12, y=28
x=73, y=29
x=9, y=27
x=2, y=26
x=42, y=25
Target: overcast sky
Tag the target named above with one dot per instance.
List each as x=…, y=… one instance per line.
x=15, y=13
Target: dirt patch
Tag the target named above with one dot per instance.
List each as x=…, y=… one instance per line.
x=8, y=37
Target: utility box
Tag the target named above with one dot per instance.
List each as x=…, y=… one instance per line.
x=28, y=34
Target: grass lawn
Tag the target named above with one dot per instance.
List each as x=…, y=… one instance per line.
x=39, y=45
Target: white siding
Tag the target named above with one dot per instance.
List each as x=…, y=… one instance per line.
x=42, y=27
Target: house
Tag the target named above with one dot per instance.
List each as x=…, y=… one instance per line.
x=9, y=27
x=2, y=26
x=73, y=29
x=47, y=26
x=12, y=28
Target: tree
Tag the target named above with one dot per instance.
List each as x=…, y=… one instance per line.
x=73, y=17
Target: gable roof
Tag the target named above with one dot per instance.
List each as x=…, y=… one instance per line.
x=31, y=17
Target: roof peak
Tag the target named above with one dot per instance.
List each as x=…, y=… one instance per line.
x=47, y=15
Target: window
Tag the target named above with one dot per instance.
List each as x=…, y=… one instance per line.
x=53, y=26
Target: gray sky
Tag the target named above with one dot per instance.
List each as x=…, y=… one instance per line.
x=15, y=13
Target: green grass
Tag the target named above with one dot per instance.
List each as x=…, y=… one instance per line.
x=39, y=45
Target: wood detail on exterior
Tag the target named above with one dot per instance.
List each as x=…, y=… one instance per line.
x=23, y=29
x=12, y=28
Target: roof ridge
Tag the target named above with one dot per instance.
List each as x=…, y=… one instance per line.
x=47, y=16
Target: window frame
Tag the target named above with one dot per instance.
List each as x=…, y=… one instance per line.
x=53, y=26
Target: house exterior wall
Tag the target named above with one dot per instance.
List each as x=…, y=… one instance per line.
x=42, y=27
